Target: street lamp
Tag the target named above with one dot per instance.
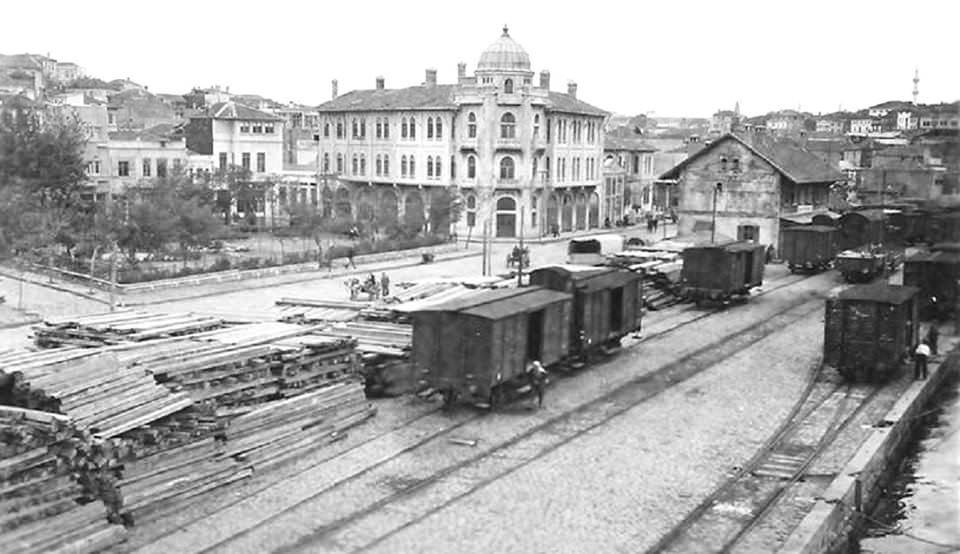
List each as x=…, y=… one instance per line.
x=713, y=227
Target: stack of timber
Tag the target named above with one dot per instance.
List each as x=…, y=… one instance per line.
x=385, y=349
x=661, y=273
x=119, y=327
x=309, y=310
x=272, y=434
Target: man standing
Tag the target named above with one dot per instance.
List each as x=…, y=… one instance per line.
x=385, y=284
x=920, y=356
x=350, y=254
x=538, y=380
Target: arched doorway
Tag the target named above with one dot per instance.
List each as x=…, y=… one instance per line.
x=594, y=210
x=413, y=211
x=365, y=210
x=326, y=200
x=566, y=213
x=553, y=213
x=344, y=209
x=581, y=211
x=506, y=217
x=388, y=208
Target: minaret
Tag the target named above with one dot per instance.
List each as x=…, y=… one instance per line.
x=736, y=108
x=916, y=85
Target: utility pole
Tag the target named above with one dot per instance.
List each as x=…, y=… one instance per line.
x=484, y=247
x=713, y=227
x=520, y=261
x=113, y=279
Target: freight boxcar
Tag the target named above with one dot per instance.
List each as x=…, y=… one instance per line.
x=721, y=271
x=935, y=274
x=869, y=330
x=861, y=228
x=607, y=302
x=809, y=247
x=944, y=227
x=909, y=226
x=862, y=266
x=477, y=349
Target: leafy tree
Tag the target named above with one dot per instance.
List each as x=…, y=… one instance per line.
x=91, y=82
x=446, y=206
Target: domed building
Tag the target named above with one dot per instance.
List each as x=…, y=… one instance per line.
x=524, y=159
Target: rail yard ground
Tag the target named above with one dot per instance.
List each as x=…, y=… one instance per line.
x=618, y=457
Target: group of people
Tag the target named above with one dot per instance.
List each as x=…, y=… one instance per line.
x=374, y=288
x=926, y=348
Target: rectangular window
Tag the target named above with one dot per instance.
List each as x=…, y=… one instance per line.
x=123, y=169
x=146, y=167
x=223, y=160
x=177, y=165
x=245, y=160
x=257, y=129
x=244, y=127
x=261, y=162
x=161, y=167
x=268, y=129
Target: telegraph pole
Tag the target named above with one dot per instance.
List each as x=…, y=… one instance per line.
x=713, y=226
x=520, y=261
x=483, y=247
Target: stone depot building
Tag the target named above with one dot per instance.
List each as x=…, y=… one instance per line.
x=525, y=159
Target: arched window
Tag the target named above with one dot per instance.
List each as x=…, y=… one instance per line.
x=413, y=128
x=536, y=125
x=471, y=167
x=437, y=168
x=339, y=163
x=339, y=129
x=439, y=129
x=472, y=125
x=404, y=132
x=723, y=164
x=326, y=130
x=326, y=162
x=386, y=128
x=413, y=167
x=363, y=164
x=533, y=173
x=429, y=129
x=453, y=167
x=353, y=128
x=506, y=168
x=354, y=164
x=386, y=165
x=429, y=161
x=403, y=166
x=379, y=166
x=379, y=128
x=471, y=202
x=508, y=126
x=471, y=210
x=736, y=164
x=508, y=86
x=363, y=128
x=506, y=204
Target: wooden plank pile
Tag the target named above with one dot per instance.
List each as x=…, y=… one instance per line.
x=385, y=349
x=274, y=433
x=118, y=327
x=661, y=273
x=307, y=314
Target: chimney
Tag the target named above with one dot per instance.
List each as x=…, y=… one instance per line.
x=572, y=89
x=431, y=78
x=545, y=79
x=380, y=83
x=333, y=89
x=461, y=72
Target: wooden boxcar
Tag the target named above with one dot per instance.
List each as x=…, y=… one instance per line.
x=862, y=266
x=908, y=226
x=607, y=302
x=861, y=228
x=809, y=247
x=935, y=274
x=869, y=330
x=475, y=348
x=943, y=227
x=721, y=271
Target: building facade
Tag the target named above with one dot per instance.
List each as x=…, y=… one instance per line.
x=746, y=184
x=524, y=159
x=635, y=158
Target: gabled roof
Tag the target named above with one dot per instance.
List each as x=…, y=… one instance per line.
x=232, y=110
x=560, y=102
x=410, y=98
x=786, y=157
x=534, y=300
x=164, y=131
x=19, y=61
x=613, y=142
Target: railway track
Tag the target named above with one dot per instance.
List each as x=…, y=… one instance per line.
x=541, y=439
x=726, y=516
x=655, y=382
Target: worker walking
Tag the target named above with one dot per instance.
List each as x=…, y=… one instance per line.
x=538, y=380
x=385, y=284
x=920, y=356
x=933, y=336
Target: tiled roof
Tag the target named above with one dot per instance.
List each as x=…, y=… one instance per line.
x=232, y=110
x=19, y=61
x=164, y=131
x=432, y=97
x=787, y=157
x=420, y=97
x=612, y=142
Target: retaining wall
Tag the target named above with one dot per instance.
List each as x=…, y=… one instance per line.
x=835, y=515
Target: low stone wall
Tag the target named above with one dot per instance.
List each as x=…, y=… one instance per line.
x=835, y=515
x=243, y=274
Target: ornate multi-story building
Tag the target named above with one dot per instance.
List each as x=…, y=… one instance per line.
x=522, y=157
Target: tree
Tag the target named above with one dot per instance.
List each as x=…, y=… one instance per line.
x=42, y=172
x=446, y=206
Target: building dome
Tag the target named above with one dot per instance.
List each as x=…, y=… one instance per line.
x=504, y=54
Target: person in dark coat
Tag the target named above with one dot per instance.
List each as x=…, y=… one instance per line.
x=933, y=336
x=538, y=380
x=350, y=254
x=385, y=285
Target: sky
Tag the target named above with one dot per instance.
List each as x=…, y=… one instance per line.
x=670, y=58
